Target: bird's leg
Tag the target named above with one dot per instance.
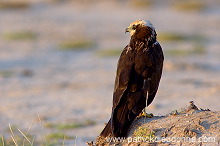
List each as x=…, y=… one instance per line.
x=143, y=113
x=145, y=90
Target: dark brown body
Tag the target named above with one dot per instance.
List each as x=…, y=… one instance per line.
x=137, y=80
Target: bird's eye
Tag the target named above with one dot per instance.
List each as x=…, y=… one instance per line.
x=134, y=26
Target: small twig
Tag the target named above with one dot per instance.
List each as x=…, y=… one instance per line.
x=3, y=142
x=64, y=140
x=30, y=127
x=28, y=130
x=14, y=141
x=24, y=136
x=75, y=139
x=32, y=143
x=42, y=127
x=12, y=136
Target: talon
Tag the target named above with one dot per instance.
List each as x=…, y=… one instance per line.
x=144, y=114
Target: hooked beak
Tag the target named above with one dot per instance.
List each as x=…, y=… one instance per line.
x=127, y=30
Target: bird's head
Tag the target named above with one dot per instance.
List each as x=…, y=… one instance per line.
x=141, y=28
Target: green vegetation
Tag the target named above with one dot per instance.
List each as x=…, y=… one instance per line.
x=189, y=5
x=74, y=125
x=20, y=141
x=14, y=4
x=176, y=52
x=140, y=3
x=181, y=52
x=197, y=49
x=57, y=1
x=21, y=138
x=58, y=136
x=144, y=132
x=12, y=127
x=82, y=44
x=20, y=35
x=6, y=73
x=54, y=139
x=2, y=141
x=171, y=36
x=109, y=52
x=197, y=42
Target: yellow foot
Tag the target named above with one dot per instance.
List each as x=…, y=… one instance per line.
x=143, y=114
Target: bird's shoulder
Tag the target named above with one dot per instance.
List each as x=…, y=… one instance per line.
x=126, y=57
x=154, y=52
x=157, y=47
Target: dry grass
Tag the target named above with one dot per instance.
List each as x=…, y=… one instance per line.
x=42, y=127
x=3, y=141
x=20, y=138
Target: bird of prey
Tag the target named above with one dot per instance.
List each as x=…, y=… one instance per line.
x=137, y=78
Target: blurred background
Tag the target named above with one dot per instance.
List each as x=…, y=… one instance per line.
x=58, y=60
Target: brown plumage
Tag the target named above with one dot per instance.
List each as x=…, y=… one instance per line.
x=137, y=78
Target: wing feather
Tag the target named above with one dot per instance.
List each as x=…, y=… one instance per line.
x=124, y=68
x=157, y=66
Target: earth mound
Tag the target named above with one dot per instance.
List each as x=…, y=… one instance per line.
x=187, y=126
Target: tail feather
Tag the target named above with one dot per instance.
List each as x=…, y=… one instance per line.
x=122, y=117
x=121, y=125
x=107, y=131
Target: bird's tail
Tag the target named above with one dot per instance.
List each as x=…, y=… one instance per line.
x=107, y=131
x=122, y=117
x=122, y=121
